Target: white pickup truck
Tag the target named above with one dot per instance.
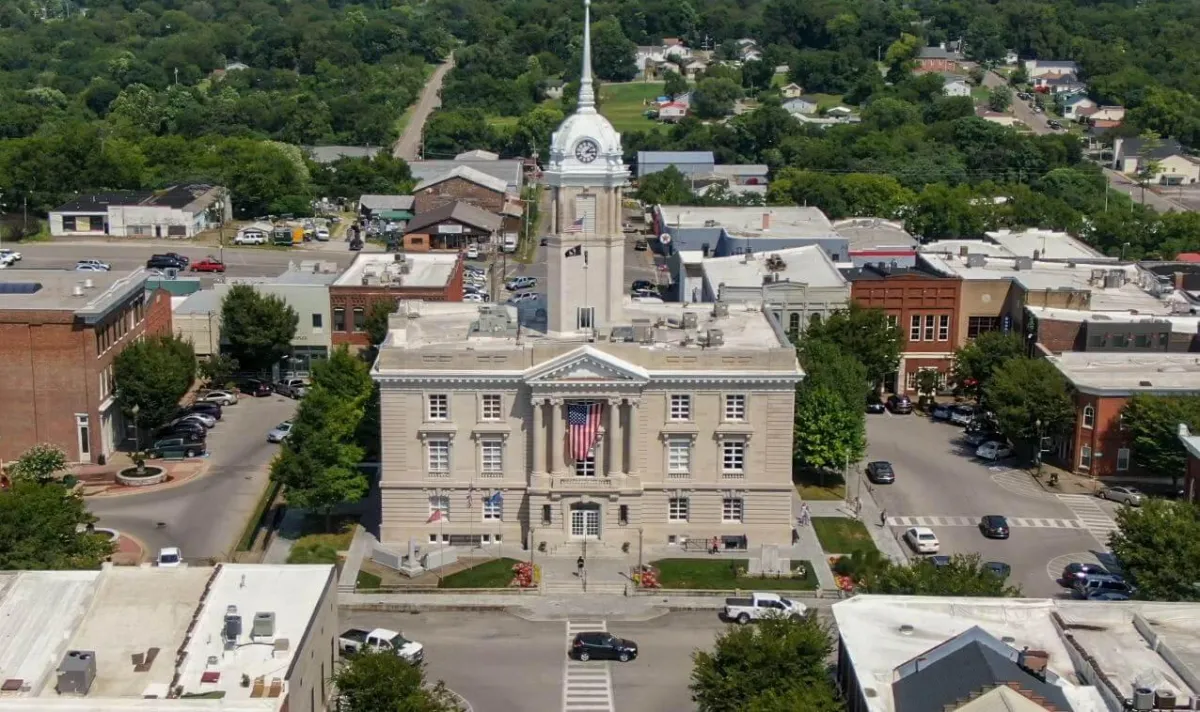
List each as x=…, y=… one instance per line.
x=762, y=605
x=357, y=640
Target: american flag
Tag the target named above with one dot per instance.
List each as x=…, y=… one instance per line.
x=576, y=226
x=583, y=428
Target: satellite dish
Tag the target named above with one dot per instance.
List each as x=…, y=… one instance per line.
x=665, y=238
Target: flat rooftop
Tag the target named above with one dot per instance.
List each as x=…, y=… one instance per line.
x=56, y=289
x=875, y=234
x=120, y=612
x=1183, y=324
x=807, y=265
x=789, y=222
x=1040, y=275
x=881, y=633
x=956, y=247
x=383, y=269
x=1125, y=373
x=1046, y=244
x=461, y=326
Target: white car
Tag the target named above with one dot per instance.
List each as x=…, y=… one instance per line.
x=322, y=234
x=7, y=256
x=91, y=266
x=218, y=397
x=253, y=238
x=170, y=557
x=524, y=297
x=473, y=252
x=993, y=450
x=474, y=297
x=922, y=540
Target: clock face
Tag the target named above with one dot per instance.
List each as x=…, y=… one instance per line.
x=587, y=150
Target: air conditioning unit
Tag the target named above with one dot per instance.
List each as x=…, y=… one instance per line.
x=690, y=320
x=720, y=309
x=263, y=625
x=716, y=337
x=76, y=672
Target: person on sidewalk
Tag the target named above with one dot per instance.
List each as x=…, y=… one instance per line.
x=714, y=546
x=805, y=514
x=883, y=517
x=579, y=567
x=857, y=508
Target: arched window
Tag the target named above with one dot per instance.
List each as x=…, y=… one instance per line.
x=794, y=323
x=1089, y=416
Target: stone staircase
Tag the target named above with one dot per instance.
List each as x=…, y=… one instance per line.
x=575, y=587
x=592, y=550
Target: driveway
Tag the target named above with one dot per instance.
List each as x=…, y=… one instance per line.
x=1021, y=109
x=206, y=517
x=939, y=484
x=409, y=143
x=1161, y=203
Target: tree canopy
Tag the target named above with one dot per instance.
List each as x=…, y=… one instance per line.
x=963, y=575
x=1152, y=424
x=976, y=361
x=42, y=526
x=385, y=682
x=1024, y=391
x=153, y=374
x=258, y=328
x=1158, y=545
x=865, y=333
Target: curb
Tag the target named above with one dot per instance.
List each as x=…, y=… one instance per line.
x=171, y=484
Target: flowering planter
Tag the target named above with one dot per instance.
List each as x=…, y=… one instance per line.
x=148, y=475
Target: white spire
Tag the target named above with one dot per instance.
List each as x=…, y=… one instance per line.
x=587, y=97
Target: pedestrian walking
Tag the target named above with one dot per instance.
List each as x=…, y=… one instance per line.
x=883, y=517
x=805, y=514
x=857, y=507
x=579, y=567
x=715, y=547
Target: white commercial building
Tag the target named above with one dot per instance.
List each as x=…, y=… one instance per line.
x=179, y=211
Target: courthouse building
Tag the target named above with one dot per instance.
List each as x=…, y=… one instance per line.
x=586, y=416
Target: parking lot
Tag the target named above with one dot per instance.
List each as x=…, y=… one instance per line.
x=941, y=485
x=501, y=663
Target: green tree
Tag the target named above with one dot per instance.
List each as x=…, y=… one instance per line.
x=344, y=375
x=153, y=375
x=43, y=527
x=964, y=575
x=713, y=98
x=612, y=52
x=976, y=361
x=1158, y=545
x=1147, y=167
x=218, y=370
x=666, y=187
x=763, y=665
x=1024, y=391
x=827, y=364
x=385, y=682
x=1152, y=423
x=259, y=328
x=674, y=84
x=376, y=322
x=1000, y=98
x=828, y=432
x=39, y=463
x=866, y=333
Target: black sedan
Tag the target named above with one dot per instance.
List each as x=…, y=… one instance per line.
x=1078, y=571
x=599, y=645
x=994, y=526
x=999, y=568
x=210, y=409
x=880, y=472
x=164, y=262
x=875, y=406
x=899, y=404
x=258, y=389
x=192, y=432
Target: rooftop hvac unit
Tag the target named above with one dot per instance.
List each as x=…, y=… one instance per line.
x=1114, y=278
x=1097, y=276
x=233, y=626
x=264, y=625
x=76, y=672
x=720, y=309
x=690, y=320
x=1143, y=699
x=1025, y=263
x=716, y=337
x=1164, y=699
x=976, y=260
x=642, y=331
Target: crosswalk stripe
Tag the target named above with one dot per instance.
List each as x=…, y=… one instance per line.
x=1014, y=522
x=586, y=687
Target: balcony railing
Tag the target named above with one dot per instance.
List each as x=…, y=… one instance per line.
x=583, y=483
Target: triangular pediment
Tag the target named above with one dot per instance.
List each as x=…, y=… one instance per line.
x=586, y=365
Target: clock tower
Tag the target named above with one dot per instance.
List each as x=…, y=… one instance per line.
x=586, y=252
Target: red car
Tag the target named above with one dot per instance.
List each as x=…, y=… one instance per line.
x=208, y=265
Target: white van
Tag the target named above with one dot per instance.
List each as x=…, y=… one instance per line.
x=510, y=242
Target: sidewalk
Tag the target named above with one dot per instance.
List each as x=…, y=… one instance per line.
x=285, y=536
x=807, y=545
x=886, y=540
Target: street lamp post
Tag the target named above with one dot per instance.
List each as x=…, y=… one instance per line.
x=1037, y=454
x=137, y=428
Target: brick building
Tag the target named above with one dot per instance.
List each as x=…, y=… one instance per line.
x=375, y=277
x=451, y=227
x=940, y=59
x=925, y=306
x=59, y=335
x=462, y=184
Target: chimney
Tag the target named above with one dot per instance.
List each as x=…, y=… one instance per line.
x=963, y=251
x=766, y=221
x=1179, y=280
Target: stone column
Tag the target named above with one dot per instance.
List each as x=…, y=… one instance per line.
x=557, y=431
x=615, y=464
x=537, y=433
x=628, y=435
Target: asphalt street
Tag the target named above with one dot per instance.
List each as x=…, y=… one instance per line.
x=501, y=663
x=205, y=517
x=940, y=484
x=638, y=265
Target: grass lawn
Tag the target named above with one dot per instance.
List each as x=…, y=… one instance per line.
x=825, y=101
x=980, y=94
x=827, y=486
x=719, y=574
x=496, y=573
x=623, y=104
x=317, y=545
x=368, y=580
x=505, y=122
x=839, y=535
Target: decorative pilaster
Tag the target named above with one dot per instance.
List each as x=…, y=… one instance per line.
x=627, y=440
x=615, y=462
x=537, y=432
x=557, y=434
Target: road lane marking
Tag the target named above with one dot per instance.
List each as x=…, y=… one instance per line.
x=1013, y=522
x=587, y=687
x=1097, y=521
x=1019, y=482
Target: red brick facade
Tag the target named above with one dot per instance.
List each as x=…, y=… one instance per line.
x=351, y=304
x=926, y=310
x=458, y=189
x=1098, y=442
x=55, y=371
x=1191, y=481
x=939, y=64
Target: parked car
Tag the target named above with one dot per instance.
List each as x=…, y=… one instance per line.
x=207, y=408
x=993, y=450
x=1108, y=596
x=202, y=418
x=1124, y=495
x=600, y=645
x=208, y=264
x=221, y=398
x=1077, y=571
x=169, y=557
x=874, y=405
x=922, y=540
x=642, y=284
x=280, y=432
x=8, y=256
x=322, y=234
x=164, y=262
x=899, y=404
x=999, y=568
x=1100, y=583
x=941, y=561
x=962, y=414
x=524, y=297
x=941, y=411
x=980, y=437
x=880, y=472
x=1054, y=124
x=517, y=283
x=292, y=387
x=176, y=447
x=178, y=257
x=250, y=238
x=356, y=640
x=646, y=294
x=475, y=298
x=472, y=251
x=994, y=526
x=761, y=605
x=179, y=428
x=255, y=387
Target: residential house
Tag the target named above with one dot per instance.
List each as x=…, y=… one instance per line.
x=841, y=112
x=791, y=90
x=60, y=334
x=1114, y=114
x=672, y=111
x=1011, y=58
x=1098, y=135
x=800, y=105
x=939, y=59
x=1035, y=68
x=256, y=230
x=954, y=85
x=1074, y=107
x=750, y=54
x=1172, y=166
x=451, y=228
x=180, y=211
x=462, y=184
x=693, y=68
x=1059, y=84
x=389, y=277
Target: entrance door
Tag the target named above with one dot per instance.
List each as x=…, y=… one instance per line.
x=585, y=521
